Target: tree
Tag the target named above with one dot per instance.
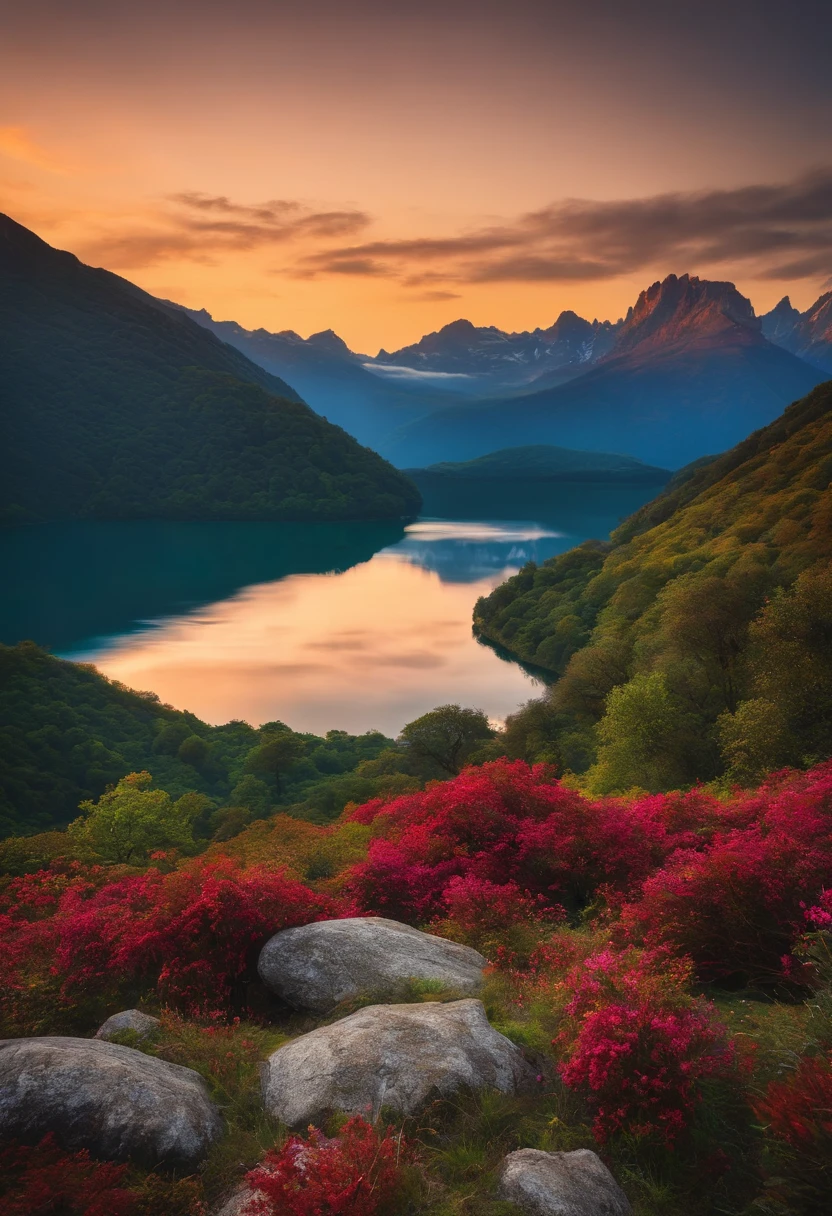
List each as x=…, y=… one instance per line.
x=276, y=754
x=644, y=737
x=447, y=736
x=788, y=718
x=131, y=821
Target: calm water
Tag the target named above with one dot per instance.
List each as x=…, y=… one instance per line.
x=347, y=626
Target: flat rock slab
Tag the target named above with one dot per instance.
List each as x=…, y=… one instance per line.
x=391, y=1055
x=115, y=1101
x=142, y=1024
x=561, y=1184
x=317, y=966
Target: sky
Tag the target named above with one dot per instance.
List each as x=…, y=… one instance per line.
x=382, y=169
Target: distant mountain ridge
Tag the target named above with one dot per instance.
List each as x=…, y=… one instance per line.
x=690, y=374
x=806, y=334
x=566, y=347
x=543, y=463
x=116, y=406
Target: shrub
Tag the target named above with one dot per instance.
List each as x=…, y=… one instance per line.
x=509, y=822
x=501, y=920
x=357, y=1173
x=638, y=1045
x=797, y=1112
x=193, y=934
x=43, y=1180
x=736, y=904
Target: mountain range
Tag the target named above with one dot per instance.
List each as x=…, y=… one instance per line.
x=807, y=334
x=115, y=406
x=489, y=357
x=688, y=372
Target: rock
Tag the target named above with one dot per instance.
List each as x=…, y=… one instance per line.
x=390, y=1055
x=561, y=1184
x=317, y=966
x=235, y=1205
x=144, y=1025
x=112, y=1100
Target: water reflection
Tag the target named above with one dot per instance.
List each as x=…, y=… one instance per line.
x=349, y=626
x=468, y=551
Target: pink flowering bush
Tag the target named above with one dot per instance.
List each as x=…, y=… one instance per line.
x=356, y=1173
x=736, y=904
x=638, y=1045
x=192, y=934
x=507, y=822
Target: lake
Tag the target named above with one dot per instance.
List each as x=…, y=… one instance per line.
x=323, y=626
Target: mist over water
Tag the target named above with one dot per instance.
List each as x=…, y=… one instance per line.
x=341, y=626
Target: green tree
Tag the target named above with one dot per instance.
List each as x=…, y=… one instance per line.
x=788, y=718
x=644, y=737
x=276, y=755
x=447, y=736
x=252, y=793
x=131, y=821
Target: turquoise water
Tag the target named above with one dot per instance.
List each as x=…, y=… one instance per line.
x=324, y=626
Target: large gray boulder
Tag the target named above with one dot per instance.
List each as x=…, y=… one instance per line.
x=317, y=966
x=144, y=1025
x=561, y=1184
x=112, y=1100
x=390, y=1055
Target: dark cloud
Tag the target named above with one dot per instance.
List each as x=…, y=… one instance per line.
x=199, y=227
x=775, y=231
x=778, y=232
x=436, y=297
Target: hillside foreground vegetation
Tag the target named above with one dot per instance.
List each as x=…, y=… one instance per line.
x=697, y=643
x=664, y=961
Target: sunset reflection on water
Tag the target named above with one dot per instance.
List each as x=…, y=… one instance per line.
x=371, y=647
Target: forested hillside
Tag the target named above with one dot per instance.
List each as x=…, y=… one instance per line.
x=116, y=408
x=67, y=733
x=699, y=640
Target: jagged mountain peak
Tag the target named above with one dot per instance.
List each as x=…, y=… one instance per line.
x=327, y=339
x=683, y=309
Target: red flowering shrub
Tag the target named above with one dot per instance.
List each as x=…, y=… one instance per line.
x=797, y=1113
x=194, y=933
x=798, y=1110
x=45, y=1181
x=503, y=922
x=638, y=1044
x=736, y=906
x=510, y=823
x=357, y=1173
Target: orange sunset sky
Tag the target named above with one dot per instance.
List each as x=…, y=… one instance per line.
x=382, y=169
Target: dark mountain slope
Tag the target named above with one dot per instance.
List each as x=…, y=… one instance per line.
x=332, y=379
x=114, y=407
x=690, y=374
x=716, y=589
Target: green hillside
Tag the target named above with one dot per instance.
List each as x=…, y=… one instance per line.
x=544, y=462
x=699, y=640
x=114, y=407
x=67, y=733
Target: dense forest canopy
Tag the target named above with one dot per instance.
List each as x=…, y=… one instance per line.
x=699, y=639
x=67, y=733
x=115, y=407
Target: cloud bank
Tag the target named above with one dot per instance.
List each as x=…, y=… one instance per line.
x=769, y=231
